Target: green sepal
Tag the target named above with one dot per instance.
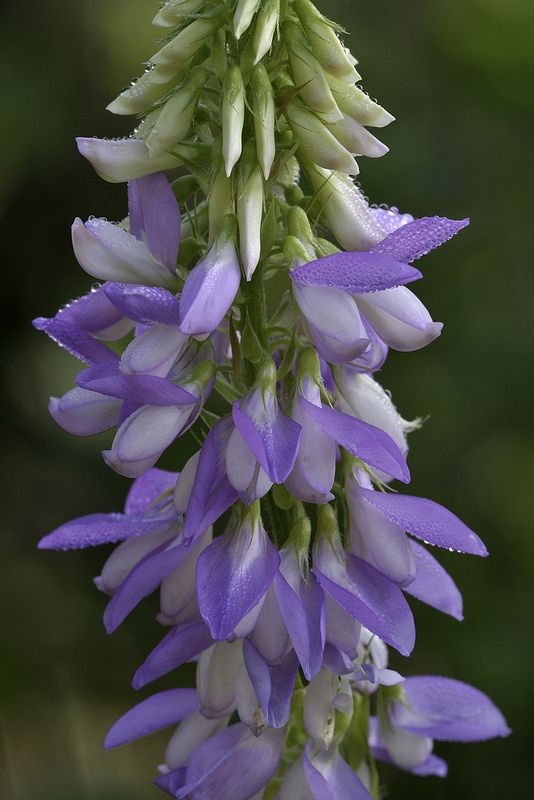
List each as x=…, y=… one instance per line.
x=281, y=496
x=251, y=346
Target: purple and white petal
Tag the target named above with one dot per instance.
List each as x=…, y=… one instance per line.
x=217, y=671
x=399, y=318
x=210, y=290
x=155, y=217
x=273, y=684
x=144, y=304
x=84, y=413
x=121, y=160
x=180, y=645
x=448, y=710
x=233, y=574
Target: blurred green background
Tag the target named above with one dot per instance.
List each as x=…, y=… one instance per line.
x=458, y=76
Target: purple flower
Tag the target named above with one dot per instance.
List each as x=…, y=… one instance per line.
x=232, y=765
x=147, y=253
x=234, y=573
x=321, y=776
x=270, y=435
x=210, y=288
x=428, y=708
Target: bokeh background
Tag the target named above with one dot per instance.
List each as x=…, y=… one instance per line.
x=458, y=76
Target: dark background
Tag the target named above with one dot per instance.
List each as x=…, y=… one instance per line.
x=458, y=76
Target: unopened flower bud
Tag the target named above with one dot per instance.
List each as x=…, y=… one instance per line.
x=173, y=11
x=265, y=28
x=244, y=15
x=264, y=118
x=233, y=116
x=143, y=93
x=249, y=212
x=220, y=202
x=320, y=144
x=177, y=53
x=357, y=139
x=345, y=209
x=175, y=120
x=354, y=102
x=308, y=74
x=325, y=43
x=298, y=225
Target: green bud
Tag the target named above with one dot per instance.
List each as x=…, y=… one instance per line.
x=220, y=201
x=243, y=16
x=327, y=525
x=355, y=103
x=175, y=55
x=233, y=116
x=264, y=118
x=295, y=252
x=309, y=366
x=266, y=24
x=308, y=74
x=298, y=225
x=325, y=42
x=249, y=211
x=174, y=11
x=321, y=145
x=176, y=117
x=357, y=139
x=201, y=376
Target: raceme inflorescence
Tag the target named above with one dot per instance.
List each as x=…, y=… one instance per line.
x=247, y=300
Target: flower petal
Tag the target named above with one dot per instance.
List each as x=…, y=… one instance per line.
x=84, y=413
x=399, y=318
x=120, y=160
x=419, y=237
x=233, y=574
x=95, y=529
x=153, y=714
x=433, y=585
x=141, y=389
x=365, y=441
x=273, y=684
x=355, y=272
x=155, y=217
x=76, y=341
x=368, y=596
x=426, y=520
x=144, y=304
x=448, y=710
x=272, y=436
x=181, y=644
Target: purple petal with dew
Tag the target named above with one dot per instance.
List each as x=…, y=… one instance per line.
x=369, y=597
x=144, y=304
x=426, y=520
x=356, y=273
x=142, y=581
x=301, y=604
x=448, y=710
x=151, y=715
x=232, y=765
x=92, y=312
x=330, y=777
x=120, y=160
x=145, y=490
x=212, y=493
x=273, y=684
x=419, y=237
x=181, y=644
x=84, y=413
x=389, y=219
x=155, y=217
x=76, y=341
x=233, y=574
x=367, y=442
x=95, y=529
x=433, y=585
x=142, y=389
x=274, y=441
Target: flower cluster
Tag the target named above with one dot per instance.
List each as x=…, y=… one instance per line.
x=255, y=319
